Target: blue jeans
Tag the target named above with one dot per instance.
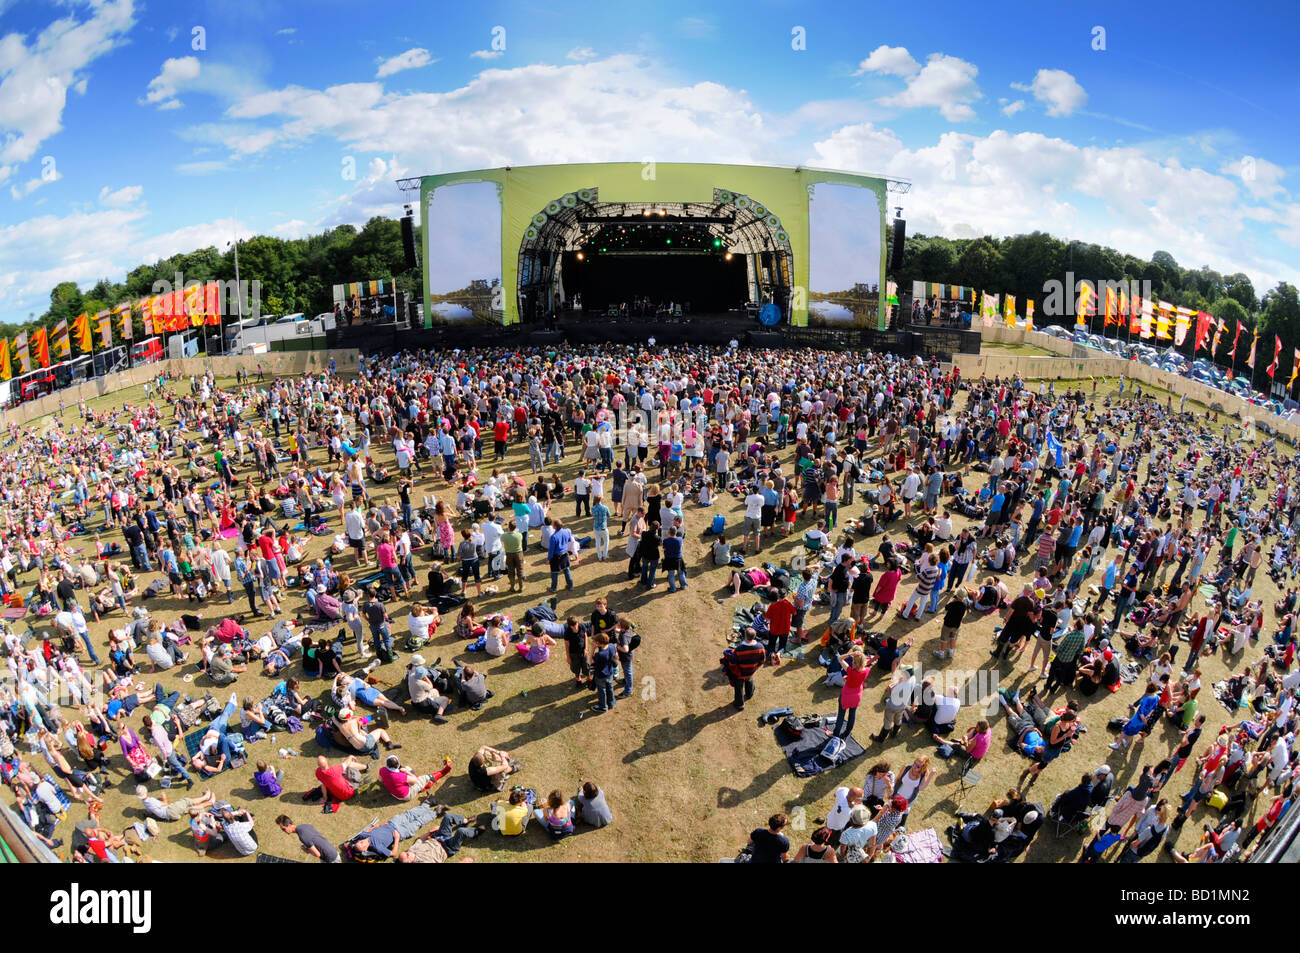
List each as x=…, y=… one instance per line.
x=604, y=692
x=838, y=601
x=85, y=640
x=649, y=568
x=162, y=698
x=627, y=660
x=406, y=514
x=142, y=554
x=568, y=578
x=677, y=576
x=832, y=510
x=845, y=719
x=178, y=765
x=382, y=639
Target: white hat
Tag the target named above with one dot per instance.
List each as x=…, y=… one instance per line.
x=320, y=587
x=417, y=659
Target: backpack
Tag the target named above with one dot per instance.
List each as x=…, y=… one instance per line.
x=323, y=737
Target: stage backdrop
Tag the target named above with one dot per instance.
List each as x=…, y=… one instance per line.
x=848, y=217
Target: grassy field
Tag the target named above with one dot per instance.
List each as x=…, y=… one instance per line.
x=1019, y=350
x=686, y=776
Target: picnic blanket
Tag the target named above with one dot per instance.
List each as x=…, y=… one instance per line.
x=802, y=751
x=920, y=847
x=194, y=739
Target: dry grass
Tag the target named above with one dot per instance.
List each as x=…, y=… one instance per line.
x=687, y=777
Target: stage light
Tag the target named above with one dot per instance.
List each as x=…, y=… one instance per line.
x=662, y=213
x=727, y=256
x=717, y=243
x=580, y=256
x=668, y=241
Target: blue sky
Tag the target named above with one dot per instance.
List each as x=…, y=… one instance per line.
x=126, y=136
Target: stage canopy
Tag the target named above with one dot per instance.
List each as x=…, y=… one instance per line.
x=498, y=242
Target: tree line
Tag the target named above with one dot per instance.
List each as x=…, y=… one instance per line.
x=295, y=275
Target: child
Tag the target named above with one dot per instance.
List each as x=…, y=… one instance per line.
x=197, y=591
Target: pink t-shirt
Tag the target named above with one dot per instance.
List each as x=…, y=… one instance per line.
x=386, y=555
x=851, y=692
x=395, y=782
x=980, y=744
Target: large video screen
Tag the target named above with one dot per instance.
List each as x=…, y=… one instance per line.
x=844, y=255
x=463, y=223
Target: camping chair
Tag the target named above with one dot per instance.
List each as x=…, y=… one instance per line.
x=1079, y=824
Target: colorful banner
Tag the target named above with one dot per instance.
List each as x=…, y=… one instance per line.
x=123, y=314
x=1111, y=308
x=1295, y=365
x=1135, y=315
x=1204, y=322
x=1218, y=333
x=1277, y=353
x=60, y=342
x=104, y=322
x=1029, y=315
x=1009, y=309
x=81, y=333
x=1182, y=323
x=7, y=372
x=1254, y=339
x=1147, y=323
x=990, y=309
x=918, y=291
x=1164, y=320
x=20, y=353
x=146, y=317
x=1087, y=304
x=1232, y=355
x=41, y=347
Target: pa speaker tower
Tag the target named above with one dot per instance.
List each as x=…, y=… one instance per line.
x=408, y=242
x=896, y=255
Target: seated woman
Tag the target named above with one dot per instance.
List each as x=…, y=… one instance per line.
x=537, y=647
x=322, y=659
x=347, y=728
x=747, y=579
x=557, y=816
x=348, y=689
x=291, y=699
x=721, y=552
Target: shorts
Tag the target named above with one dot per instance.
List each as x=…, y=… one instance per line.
x=357, y=544
x=752, y=525
x=768, y=517
x=948, y=633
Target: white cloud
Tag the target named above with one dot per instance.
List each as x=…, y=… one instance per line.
x=202, y=167
x=294, y=228
x=37, y=77
x=1056, y=89
x=945, y=82
x=890, y=60
x=175, y=73
x=411, y=59
x=31, y=185
x=127, y=195
x=580, y=54
x=487, y=54
x=1259, y=177
x=1011, y=108
x=287, y=31
x=1004, y=184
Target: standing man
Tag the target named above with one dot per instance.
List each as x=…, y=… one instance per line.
x=381, y=633
x=741, y=663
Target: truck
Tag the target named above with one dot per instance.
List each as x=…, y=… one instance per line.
x=247, y=339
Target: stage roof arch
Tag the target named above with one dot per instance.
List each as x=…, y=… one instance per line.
x=548, y=211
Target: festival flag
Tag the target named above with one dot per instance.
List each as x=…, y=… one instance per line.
x=41, y=347
x=918, y=290
x=1204, y=322
x=1277, y=353
x=146, y=318
x=1110, y=308
x=1295, y=365
x=1254, y=339
x=1009, y=309
x=1232, y=355
x=1134, y=315
x=7, y=372
x=81, y=333
x=60, y=342
x=1218, y=333
x=1163, y=312
x=1087, y=305
x=1029, y=315
x=123, y=314
x=20, y=352
x=1181, y=325
x=1147, y=323
x=104, y=322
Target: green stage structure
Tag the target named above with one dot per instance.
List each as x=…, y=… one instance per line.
x=495, y=241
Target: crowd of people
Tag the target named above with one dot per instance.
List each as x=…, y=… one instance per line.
x=1108, y=536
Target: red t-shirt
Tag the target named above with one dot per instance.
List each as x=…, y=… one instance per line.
x=337, y=785
x=267, y=546
x=779, y=615
x=501, y=431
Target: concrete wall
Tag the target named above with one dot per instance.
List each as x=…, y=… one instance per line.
x=1077, y=362
x=277, y=364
